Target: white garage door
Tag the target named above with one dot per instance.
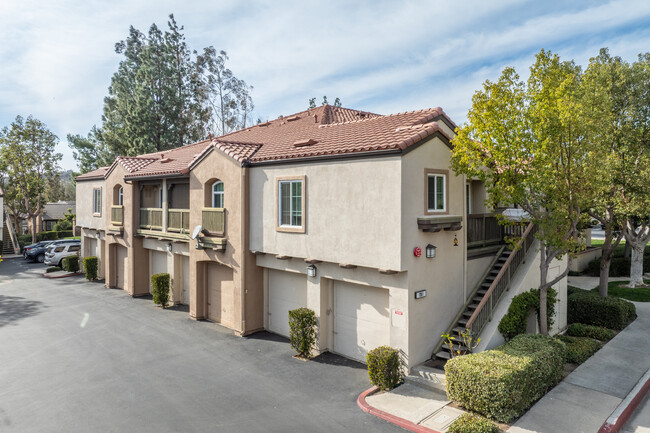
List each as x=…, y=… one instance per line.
x=361, y=319
x=287, y=291
x=158, y=264
x=92, y=247
x=185, y=281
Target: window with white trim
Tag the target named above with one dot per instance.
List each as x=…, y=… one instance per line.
x=97, y=201
x=290, y=205
x=217, y=194
x=436, y=192
x=120, y=196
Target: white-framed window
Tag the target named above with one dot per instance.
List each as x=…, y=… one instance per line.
x=120, y=196
x=290, y=203
x=97, y=201
x=436, y=192
x=217, y=194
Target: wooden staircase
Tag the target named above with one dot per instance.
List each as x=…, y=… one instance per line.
x=478, y=309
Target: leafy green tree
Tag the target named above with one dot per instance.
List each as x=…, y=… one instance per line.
x=525, y=141
x=90, y=152
x=616, y=117
x=28, y=157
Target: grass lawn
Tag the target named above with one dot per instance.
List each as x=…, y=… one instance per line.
x=639, y=294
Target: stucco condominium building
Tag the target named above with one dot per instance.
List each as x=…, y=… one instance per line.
x=331, y=209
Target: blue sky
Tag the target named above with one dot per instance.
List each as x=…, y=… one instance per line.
x=57, y=58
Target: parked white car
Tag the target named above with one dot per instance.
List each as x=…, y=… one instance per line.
x=56, y=253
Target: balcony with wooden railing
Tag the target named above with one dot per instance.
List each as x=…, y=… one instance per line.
x=178, y=220
x=151, y=218
x=213, y=220
x=117, y=215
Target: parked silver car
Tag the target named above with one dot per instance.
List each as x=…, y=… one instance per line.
x=56, y=253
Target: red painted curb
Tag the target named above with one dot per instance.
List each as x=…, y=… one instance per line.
x=614, y=424
x=400, y=422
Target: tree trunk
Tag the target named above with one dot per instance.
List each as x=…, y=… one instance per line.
x=626, y=251
x=636, y=265
x=543, y=292
x=606, y=260
x=34, y=228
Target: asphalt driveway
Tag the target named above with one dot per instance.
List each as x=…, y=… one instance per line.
x=77, y=357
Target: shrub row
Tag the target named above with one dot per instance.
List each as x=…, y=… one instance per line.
x=596, y=332
x=619, y=266
x=579, y=349
x=384, y=367
x=590, y=308
x=470, y=423
x=70, y=263
x=44, y=236
x=515, y=320
x=503, y=383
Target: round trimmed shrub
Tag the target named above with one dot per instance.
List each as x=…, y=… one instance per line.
x=579, y=349
x=384, y=367
x=302, y=330
x=160, y=289
x=90, y=267
x=470, y=423
x=70, y=263
x=514, y=321
x=596, y=332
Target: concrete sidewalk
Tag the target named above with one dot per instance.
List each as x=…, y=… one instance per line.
x=582, y=402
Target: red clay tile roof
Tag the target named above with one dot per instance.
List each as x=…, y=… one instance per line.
x=330, y=130
x=320, y=131
x=95, y=174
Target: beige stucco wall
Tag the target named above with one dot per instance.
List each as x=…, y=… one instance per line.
x=85, y=217
x=248, y=296
x=352, y=212
x=443, y=277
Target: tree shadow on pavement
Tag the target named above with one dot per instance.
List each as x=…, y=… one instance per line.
x=14, y=308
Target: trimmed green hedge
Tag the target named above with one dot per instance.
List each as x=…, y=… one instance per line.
x=503, y=383
x=515, y=320
x=160, y=289
x=596, y=332
x=470, y=423
x=70, y=263
x=618, y=267
x=590, y=308
x=384, y=367
x=52, y=269
x=302, y=330
x=90, y=267
x=579, y=349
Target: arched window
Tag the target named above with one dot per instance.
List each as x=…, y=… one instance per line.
x=120, y=196
x=217, y=194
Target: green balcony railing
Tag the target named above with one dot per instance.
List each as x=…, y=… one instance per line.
x=151, y=218
x=178, y=220
x=117, y=215
x=213, y=220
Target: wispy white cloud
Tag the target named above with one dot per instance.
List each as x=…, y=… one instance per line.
x=56, y=58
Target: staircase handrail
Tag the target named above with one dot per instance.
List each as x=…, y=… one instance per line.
x=469, y=299
x=522, y=245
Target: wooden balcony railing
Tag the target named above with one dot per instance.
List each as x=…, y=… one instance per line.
x=483, y=230
x=151, y=218
x=483, y=313
x=213, y=220
x=117, y=215
x=178, y=220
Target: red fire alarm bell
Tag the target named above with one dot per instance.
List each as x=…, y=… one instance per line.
x=417, y=251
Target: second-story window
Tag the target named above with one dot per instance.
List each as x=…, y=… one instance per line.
x=217, y=194
x=436, y=192
x=97, y=201
x=120, y=196
x=290, y=203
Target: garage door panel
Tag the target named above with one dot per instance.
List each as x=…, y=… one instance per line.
x=158, y=264
x=361, y=319
x=121, y=266
x=287, y=291
x=220, y=294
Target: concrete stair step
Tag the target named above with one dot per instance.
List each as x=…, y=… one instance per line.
x=428, y=378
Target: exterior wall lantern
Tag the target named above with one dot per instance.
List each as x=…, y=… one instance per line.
x=455, y=241
x=311, y=270
x=168, y=247
x=431, y=251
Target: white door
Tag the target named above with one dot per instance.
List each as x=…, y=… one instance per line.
x=185, y=274
x=92, y=247
x=361, y=319
x=221, y=289
x=158, y=264
x=287, y=291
